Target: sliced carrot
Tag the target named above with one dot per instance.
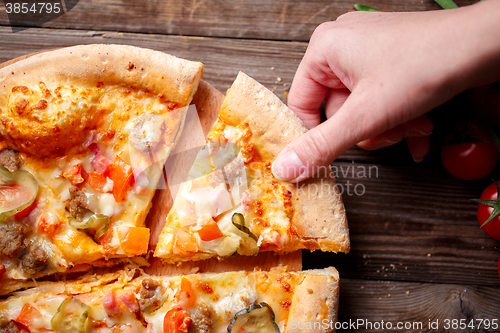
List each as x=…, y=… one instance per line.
x=210, y=231
x=134, y=240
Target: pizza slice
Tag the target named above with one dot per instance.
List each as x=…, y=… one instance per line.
x=233, y=204
x=233, y=302
x=84, y=134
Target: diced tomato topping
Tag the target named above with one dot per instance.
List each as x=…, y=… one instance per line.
x=111, y=305
x=100, y=163
x=106, y=238
x=26, y=211
x=129, y=300
x=184, y=242
x=75, y=174
x=176, y=320
x=120, y=172
x=45, y=226
x=97, y=181
x=134, y=240
x=30, y=317
x=186, y=294
x=210, y=231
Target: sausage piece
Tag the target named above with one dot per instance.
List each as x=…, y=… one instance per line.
x=11, y=240
x=77, y=204
x=150, y=295
x=10, y=159
x=35, y=259
x=11, y=327
x=201, y=317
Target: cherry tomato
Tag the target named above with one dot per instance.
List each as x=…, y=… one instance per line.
x=492, y=228
x=470, y=160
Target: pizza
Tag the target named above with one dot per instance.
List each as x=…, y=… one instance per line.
x=84, y=134
x=233, y=302
x=231, y=202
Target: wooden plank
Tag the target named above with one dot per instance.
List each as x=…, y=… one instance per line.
x=271, y=63
x=262, y=19
x=415, y=303
x=412, y=223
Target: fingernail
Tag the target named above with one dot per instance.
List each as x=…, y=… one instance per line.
x=287, y=166
x=418, y=160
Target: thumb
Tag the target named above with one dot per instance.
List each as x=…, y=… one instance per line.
x=320, y=146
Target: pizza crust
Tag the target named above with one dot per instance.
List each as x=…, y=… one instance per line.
x=84, y=69
x=319, y=217
x=315, y=302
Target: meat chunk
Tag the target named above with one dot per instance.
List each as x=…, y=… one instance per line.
x=201, y=317
x=10, y=159
x=150, y=295
x=147, y=132
x=11, y=327
x=11, y=240
x=77, y=204
x=35, y=259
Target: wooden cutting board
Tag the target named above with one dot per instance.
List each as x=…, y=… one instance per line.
x=207, y=102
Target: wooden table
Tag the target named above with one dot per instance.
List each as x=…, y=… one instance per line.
x=417, y=251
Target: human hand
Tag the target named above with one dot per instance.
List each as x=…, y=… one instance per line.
x=380, y=73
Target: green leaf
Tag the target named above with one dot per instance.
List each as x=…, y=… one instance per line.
x=447, y=4
x=365, y=8
x=492, y=203
x=494, y=214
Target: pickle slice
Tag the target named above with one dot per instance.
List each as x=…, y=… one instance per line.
x=96, y=225
x=257, y=318
x=248, y=243
x=18, y=190
x=71, y=317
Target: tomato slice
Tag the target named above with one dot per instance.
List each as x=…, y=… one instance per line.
x=176, y=320
x=97, y=181
x=26, y=211
x=106, y=238
x=210, y=231
x=75, y=174
x=121, y=173
x=30, y=317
